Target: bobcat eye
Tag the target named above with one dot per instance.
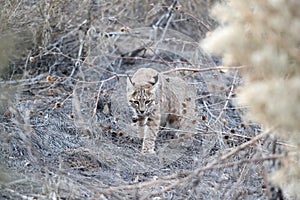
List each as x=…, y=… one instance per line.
x=134, y=119
x=136, y=102
x=147, y=102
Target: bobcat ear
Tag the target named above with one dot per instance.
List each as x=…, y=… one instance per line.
x=128, y=78
x=155, y=80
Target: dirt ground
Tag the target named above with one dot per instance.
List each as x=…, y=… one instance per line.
x=65, y=125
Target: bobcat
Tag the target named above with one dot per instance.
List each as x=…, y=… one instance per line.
x=155, y=101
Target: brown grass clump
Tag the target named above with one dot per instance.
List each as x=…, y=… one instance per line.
x=264, y=36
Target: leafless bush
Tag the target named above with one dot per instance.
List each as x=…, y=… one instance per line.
x=263, y=35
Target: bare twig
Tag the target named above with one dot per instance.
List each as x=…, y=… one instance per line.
x=166, y=15
x=169, y=18
x=196, y=19
x=227, y=99
x=153, y=51
x=99, y=92
x=202, y=70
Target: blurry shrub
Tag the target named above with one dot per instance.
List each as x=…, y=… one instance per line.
x=264, y=37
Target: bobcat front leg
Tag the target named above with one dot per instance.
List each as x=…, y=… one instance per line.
x=141, y=127
x=150, y=133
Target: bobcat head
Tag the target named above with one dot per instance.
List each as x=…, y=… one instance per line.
x=141, y=93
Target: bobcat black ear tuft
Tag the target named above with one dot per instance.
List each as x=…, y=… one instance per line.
x=155, y=80
x=130, y=80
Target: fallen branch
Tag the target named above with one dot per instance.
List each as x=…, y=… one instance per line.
x=202, y=70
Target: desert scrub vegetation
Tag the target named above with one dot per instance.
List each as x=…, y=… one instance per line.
x=65, y=125
x=264, y=37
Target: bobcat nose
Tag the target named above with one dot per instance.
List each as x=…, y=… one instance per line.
x=142, y=111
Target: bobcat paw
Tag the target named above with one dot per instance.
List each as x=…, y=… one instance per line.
x=148, y=151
